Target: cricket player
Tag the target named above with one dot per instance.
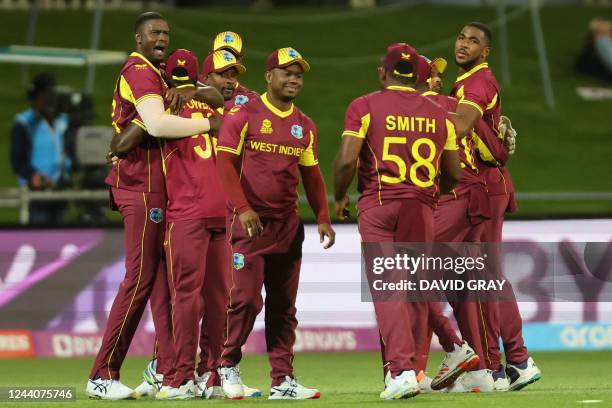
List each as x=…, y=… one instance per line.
x=401, y=170
x=234, y=93
x=264, y=147
x=137, y=191
x=479, y=108
x=220, y=70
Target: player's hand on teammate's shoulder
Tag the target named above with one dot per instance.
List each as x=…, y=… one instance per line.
x=341, y=208
x=178, y=97
x=251, y=223
x=326, y=230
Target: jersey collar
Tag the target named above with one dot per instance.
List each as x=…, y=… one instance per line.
x=400, y=88
x=142, y=57
x=428, y=93
x=472, y=71
x=274, y=109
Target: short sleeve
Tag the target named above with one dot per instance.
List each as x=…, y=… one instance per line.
x=481, y=94
x=310, y=156
x=451, y=136
x=140, y=82
x=357, y=119
x=233, y=131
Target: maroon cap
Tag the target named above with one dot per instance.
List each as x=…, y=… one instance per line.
x=186, y=60
x=284, y=57
x=398, y=53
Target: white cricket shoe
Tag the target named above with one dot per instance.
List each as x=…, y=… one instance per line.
x=473, y=381
x=144, y=389
x=230, y=382
x=402, y=386
x=251, y=392
x=290, y=389
x=425, y=383
x=214, y=392
x=454, y=364
x=151, y=376
x=500, y=380
x=108, y=390
x=184, y=392
x=520, y=377
x=200, y=383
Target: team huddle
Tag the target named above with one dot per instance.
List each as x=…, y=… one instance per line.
x=205, y=175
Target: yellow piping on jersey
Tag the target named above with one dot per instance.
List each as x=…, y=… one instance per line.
x=274, y=109
x=472, y=71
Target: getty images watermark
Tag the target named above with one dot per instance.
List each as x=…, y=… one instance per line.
x=453, y=272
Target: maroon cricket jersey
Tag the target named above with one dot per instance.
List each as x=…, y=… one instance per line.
x=192, y=184
x=273, y=143
x=470, y=175
x=241, y=95
x=141, y=169
x=404, y=134
x=478, y=88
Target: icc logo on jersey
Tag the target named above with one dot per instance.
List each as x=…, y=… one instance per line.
x=296, y=131
x=241, y=99
x=266, y=126
x=238, y=260
x=156, y=215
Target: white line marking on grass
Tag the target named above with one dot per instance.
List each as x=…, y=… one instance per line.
x=589, y=401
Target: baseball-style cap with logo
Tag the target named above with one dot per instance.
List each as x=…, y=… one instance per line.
x=219, y=61
x=182, y=66
x=228, y=40
x=284, y=57
x=401, y=59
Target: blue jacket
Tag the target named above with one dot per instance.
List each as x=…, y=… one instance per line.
x=37, y=147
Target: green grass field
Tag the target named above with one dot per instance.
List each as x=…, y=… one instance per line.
x=345, y=379
x=567, y=149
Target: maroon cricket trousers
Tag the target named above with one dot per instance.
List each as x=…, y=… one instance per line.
x=187, y=247
x=273, y=261
x=214, y=292
x=461, y=219
x=407, y=220
x=145, y=277
x=511, y=331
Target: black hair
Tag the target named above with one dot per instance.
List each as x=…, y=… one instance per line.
x=482, y=27
x=144, y=17
x=41, y=83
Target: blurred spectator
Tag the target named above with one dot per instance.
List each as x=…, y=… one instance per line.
x=596, y=57
x=37, y=148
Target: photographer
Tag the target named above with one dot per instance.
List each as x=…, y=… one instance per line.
x=37, y=148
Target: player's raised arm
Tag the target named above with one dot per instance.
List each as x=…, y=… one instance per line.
x=178, y=97
x=159, y=124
